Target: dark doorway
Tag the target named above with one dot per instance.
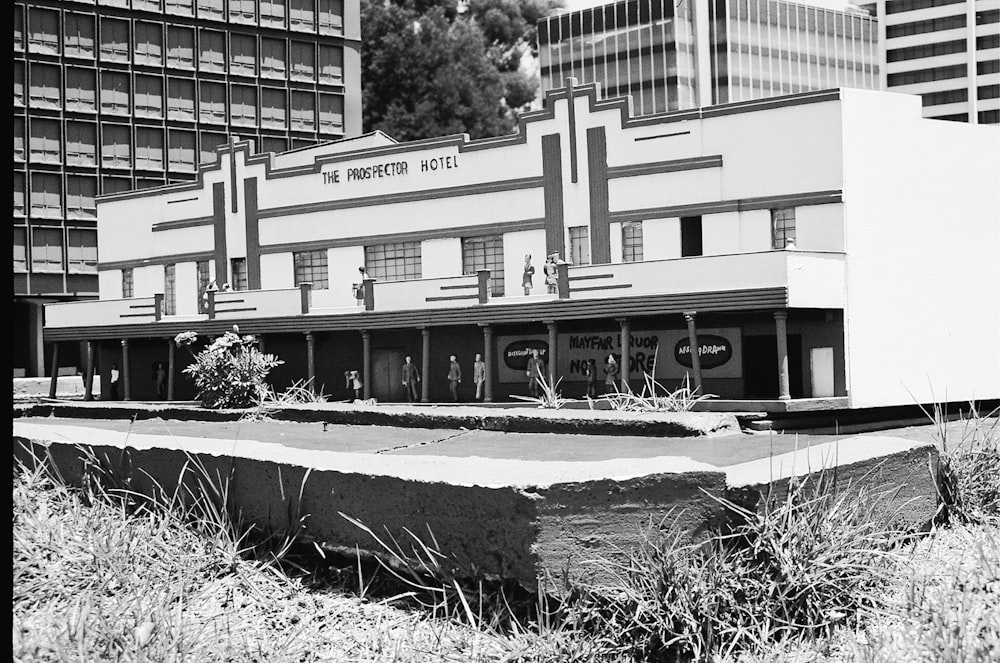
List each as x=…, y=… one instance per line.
x=691, y=244
x=387, y=374
x=760, y=366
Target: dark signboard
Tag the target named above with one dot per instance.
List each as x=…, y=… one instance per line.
x=713, y=351
x=516, y=354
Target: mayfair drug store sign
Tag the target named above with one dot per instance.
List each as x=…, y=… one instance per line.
x=719, y=351
x=388, y=169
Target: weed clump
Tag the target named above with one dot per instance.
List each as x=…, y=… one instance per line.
x=231, y=372
x=805, y=561
x=968, y=473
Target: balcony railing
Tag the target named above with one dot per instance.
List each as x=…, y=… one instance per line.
x=813, y=280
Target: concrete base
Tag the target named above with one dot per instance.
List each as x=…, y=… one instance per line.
x=526, y=520
x=67, y=386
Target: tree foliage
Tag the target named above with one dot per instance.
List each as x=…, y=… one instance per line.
x=429, y=69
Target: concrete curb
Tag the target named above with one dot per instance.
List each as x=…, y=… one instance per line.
x=515, y=420
x=494, y=517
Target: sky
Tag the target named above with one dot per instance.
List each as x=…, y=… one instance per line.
x=830, y=4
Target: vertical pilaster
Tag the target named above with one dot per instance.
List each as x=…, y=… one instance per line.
x=488, y=359
x=553, y=194
x=553, y=351
x=626, y=339
x=366, y=342
x=88, y=386
x=690, y=316
x=171, y=367
x=252, y=232
x=781, y=330
x=425, y=364
x=126, y=372
x=311, y=359
x=597, y=169
x=219, y=228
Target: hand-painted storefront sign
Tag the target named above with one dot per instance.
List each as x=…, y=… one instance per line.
x=388, y=169
x=661, y=353
x=713, y=351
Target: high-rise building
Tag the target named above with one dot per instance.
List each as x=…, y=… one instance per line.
x=946, y=51
x=119, y=95
x=670, y=55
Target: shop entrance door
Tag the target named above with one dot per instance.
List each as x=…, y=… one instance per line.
x=760, y=366
x=387, y=374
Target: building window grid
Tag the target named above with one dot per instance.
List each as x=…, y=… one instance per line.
x=115, y=93
x=81, y=144
x=46, y=249
x=45, y=141
x=331, y=16
x=210, y=9
x=170, y=289
x=485, y=253
x=46, y=195
x=148, y=96
x=19, y=195
x=81, y=89
x=20, y=249
x=180, y=7
x=181, y=150
x=114, y=40
x=303, y=111
x=128, y=283
x=243, y=11
x=18, y=28
x=311, y=267
x=212, y=103
x=44, y=90
x=81, y=251
x=18, y=139
x=302, y=58
x=43, y=30
x=211, y=50
x=81, y=193
x=19, y=84
x=632, y=241
x=148, y=148
x=398, y=261
x=79, y=34
x=301, y=14
x=115, y=146
x=272, y=12
x=180, y=47
x=243, y=55
x=180, y=99
x=148, y=43
x=331, y=64
x=783, y=228
x=243, y=104
x=579, y=245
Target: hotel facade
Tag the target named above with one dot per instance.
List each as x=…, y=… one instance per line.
x=671, y=56
x=119, y=95
x=825, y=249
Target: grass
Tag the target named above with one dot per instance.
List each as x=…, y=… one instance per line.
x=815, y=572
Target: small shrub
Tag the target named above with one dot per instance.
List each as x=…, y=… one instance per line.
x=551, y=397
x=794, y=568
x=231, y=372
x=968, y=472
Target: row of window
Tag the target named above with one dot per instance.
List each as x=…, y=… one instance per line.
x=72, y=250
x=144, y=96
x=402, y=260
x=247, y=54
x=926, y=50
x=76, y=34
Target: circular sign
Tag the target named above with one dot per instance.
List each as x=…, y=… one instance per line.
x=516, y=354
x=713, y=351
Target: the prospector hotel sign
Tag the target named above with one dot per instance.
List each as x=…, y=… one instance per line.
x=719, y=351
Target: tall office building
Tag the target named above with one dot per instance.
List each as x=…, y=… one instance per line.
x=670, y=55
x=946, y=51
x=118, y=95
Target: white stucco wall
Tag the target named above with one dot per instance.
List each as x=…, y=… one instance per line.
x=109, y=284
x=819, y=227
x=755, y=230
x=661, y=238
x=441, y=258
x=720, y=233
x=277, y=270
x=922, y=211
x=147, y=281
x=186, y=281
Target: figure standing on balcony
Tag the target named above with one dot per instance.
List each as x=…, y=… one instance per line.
x=529, y=271
x=227, y=288
x=590, y=372
x=535, y=370
x=611, y=375
x=551, y=273
x=479, y=375
x=411, y=376
x=359, y=288
x=454, y=377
